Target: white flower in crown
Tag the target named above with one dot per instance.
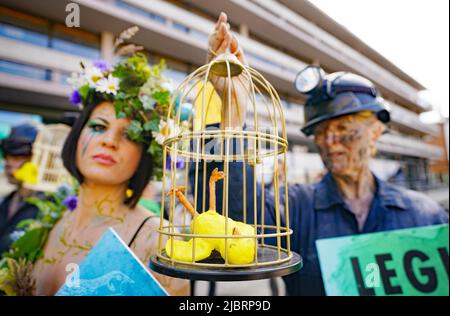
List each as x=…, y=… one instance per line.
x=108, y=85
x=148, y=102
x=150, y=86
x=166, y=130
x=155, y=84
x=167, y=84
x=76, y=80
x=93, y=75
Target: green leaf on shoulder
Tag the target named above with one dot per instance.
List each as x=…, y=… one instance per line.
x=29, y=245
x=26, y=223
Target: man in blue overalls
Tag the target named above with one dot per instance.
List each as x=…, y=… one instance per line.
x=346, y=116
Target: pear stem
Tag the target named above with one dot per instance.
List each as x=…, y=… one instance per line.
x=183, y=200
x=216, y=175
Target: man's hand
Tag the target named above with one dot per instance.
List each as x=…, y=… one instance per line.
x=234, y=110
x=222, y=39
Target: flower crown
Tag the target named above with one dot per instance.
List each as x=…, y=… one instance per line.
x=138, y=91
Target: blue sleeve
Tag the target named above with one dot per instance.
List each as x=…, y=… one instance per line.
x=425, y=210
x=440, y=216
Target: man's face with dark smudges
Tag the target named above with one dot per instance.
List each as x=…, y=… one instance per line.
x=104, y=153
x=14, y=163
x=344, y=144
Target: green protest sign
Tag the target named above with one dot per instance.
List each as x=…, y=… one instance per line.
x=402, y=262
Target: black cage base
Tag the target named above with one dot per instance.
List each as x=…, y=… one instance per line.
x=202, y=273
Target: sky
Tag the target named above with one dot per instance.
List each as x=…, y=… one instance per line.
x=412, y=34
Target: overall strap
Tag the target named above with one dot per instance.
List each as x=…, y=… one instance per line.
x=139, y=228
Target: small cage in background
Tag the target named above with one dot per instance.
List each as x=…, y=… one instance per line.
x=46, y=156
x=209, y=244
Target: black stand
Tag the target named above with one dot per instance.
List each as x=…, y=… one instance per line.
x=184, y=271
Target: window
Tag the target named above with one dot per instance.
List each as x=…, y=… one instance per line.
x=43, y=33
x=158, y=18
x=23, y=35
x=38, y=39
x=131, y=8
x=199, y=35
x=13, y=68
x=74, y=48
x=139, y=11
x=266, y=61
x=180, y=27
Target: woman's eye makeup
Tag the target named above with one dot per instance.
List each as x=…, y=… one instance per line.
x=96, y=127
x=100, y=127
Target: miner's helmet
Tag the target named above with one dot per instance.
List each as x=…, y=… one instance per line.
x=337, y=94
x=20, y=140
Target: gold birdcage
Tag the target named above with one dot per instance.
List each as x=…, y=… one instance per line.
x=46, y=156
x=240, y=252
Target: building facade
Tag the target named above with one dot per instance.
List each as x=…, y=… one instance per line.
x=38, y=52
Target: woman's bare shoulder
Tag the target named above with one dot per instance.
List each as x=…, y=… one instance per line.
x=148, y=225
x=142, y=214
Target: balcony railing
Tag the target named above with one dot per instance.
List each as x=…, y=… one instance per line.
x=23, y=35
x=409, y=146
x=199, y=28
x=411, y=120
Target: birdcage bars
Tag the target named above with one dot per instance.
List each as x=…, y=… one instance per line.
x=46, y=156
x=227, y=67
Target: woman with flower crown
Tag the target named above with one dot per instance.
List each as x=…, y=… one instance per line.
x=112, y=153
x=113, y=150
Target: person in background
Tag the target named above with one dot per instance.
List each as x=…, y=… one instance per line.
x=16, y=149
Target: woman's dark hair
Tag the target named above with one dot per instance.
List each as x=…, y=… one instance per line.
x=143, y=172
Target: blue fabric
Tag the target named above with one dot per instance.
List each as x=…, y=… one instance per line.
x=318, y=211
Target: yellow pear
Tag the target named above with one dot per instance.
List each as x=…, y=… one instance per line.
x=240, y=250
x=212, y=223
x=182, y=250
